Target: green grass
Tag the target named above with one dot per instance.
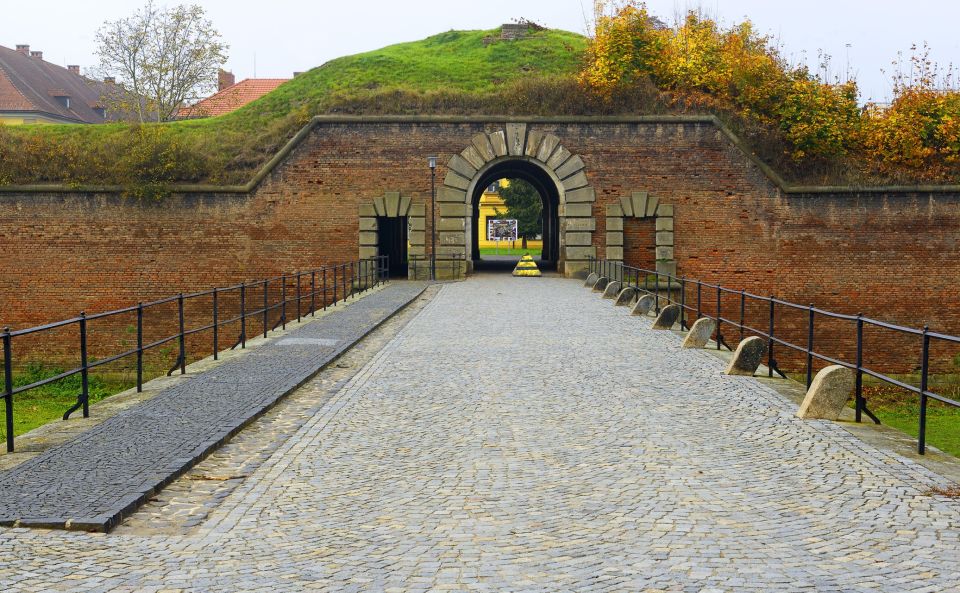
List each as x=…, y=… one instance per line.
x=901, y=410
x=535, y=252
x=42, y=405
x=455, y=72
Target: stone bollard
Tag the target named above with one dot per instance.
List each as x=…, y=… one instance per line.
x=828, y=394
x=601, y=284
x=644, y=305
x=612, y=290
x=591, y=279
x=747, y=357
x=700, y=333
x=668, y=316
x=626, y=296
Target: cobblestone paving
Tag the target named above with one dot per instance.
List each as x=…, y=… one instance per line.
x=91, y=481
x=524, y=435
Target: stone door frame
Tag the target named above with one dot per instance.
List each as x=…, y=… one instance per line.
x=516, y=141
x=390, y=205
x=642, y=205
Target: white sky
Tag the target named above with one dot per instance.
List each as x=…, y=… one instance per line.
x=283, y=36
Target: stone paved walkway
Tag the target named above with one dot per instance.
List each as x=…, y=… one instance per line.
x=523, y=435
x=91, y=481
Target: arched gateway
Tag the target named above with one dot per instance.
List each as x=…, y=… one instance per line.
x=537, y=157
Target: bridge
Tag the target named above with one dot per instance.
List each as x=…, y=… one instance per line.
x=495, y=434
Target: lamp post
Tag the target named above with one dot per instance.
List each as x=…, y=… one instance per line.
x=432, y=162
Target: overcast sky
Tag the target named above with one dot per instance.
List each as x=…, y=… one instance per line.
x=276, y=38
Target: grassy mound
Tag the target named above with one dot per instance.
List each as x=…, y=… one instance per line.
x=457, y=72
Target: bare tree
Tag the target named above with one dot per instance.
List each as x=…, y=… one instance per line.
x=162, y=57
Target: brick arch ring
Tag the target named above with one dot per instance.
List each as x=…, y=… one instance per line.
x=542, y=149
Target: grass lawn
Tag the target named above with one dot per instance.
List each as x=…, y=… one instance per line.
x=901, y=410
x=43, y=405
x=535, y=252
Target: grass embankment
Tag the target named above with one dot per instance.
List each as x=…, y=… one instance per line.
x=901, y=410
x=42, y=405
x=458, y=72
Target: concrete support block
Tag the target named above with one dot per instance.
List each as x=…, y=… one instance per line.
x=451, y=209
x=573, y=165
x=644, y=305
x=417, y=237
x=747, y=358
x=368, y=224
x=828, y=394
x=454, y=180
x=578, y=239
x=664, y=239
x=482, y=143
x=369, y=238
x=558, y=157
x=574, y=210
x=663, y=252
x=700, y=333
x=516, y=139
x=368, y=252
x=451, y=194
x=451, y=224
x=580, y=253
x=368, y=210
x=601, y=284
x=547, y=146
x=615, y=239
x=626, y=296
x=668, y=317
x=615, y=252
x=591, y=279
x=612, y=290
x=614, y=223
x=584, y=194
x=472, y=156
x=575, y=182
x=417, y=210
x=664, y=223
x=667, y=267
x=580, y=224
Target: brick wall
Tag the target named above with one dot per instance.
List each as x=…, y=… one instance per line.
x=892, y=256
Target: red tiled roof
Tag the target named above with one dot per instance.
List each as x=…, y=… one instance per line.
x=232, y=98
x=31, y=84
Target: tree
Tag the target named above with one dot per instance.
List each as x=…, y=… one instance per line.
x=162, y=57
x=525, y=205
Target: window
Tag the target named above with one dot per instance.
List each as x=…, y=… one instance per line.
x=494, y=187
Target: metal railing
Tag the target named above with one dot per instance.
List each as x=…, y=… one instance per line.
x=421, y=267
x=641, y=279
x=313, y=290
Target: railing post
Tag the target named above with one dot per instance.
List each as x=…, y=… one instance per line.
x=719, y=321
x=699, y=300
x=299, y=274
x=216, y=329
x=924, y=371
x=343, y=275
x=139, y=347
x=743, y=307
x=313, y=293
x=324, y=272
x=859, y=384
x=334, y=286
x=266, y=306
x=656, y=287
x=183, y=339
x=243, y=314
x=770, y=341
x=810, y=347
x=683, y=302
x=84, y=371
x=283, y=301
x=8, y=386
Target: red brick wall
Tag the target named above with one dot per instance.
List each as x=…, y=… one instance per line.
x=639, y=242
x=894, y=257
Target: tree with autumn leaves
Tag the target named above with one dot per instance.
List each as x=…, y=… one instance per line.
x=698, y=66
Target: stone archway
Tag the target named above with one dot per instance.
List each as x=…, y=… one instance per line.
x=642, y=205
x=393, y=205
x=543, y=150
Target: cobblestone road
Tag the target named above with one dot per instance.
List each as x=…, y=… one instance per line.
x=523, y=435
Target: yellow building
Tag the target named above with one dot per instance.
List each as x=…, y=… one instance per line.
x=490, y=204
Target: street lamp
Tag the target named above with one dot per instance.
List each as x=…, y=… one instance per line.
x=432, y=162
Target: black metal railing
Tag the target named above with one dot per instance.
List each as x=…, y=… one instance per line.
x=666, y=285
x=450, y=267
x=313, y=290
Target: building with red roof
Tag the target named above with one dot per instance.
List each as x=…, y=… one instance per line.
x=231, y=96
